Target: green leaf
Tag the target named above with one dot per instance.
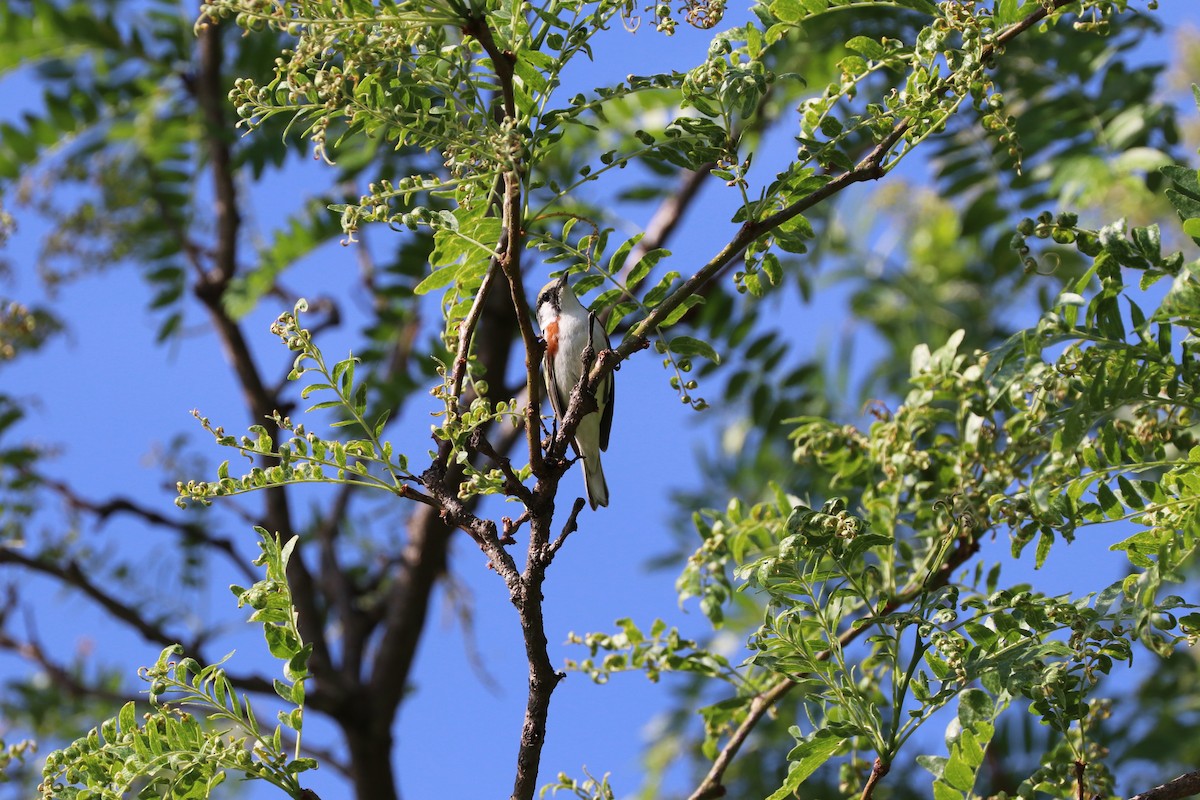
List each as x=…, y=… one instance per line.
x=1006, y=12
x=439, y=279
x=805, y=758
x=1109, y=502
x=787, y=10
x=958, y=775
x=1045, y=540
x=689, y=346
x=127, y=718
x=867, y=47
x=943, y=791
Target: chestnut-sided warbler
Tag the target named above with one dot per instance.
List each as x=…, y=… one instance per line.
x=567, y=328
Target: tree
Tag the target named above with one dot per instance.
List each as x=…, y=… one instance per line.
x=858, y=547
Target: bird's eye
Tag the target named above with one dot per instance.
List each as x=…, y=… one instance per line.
x=543, y=298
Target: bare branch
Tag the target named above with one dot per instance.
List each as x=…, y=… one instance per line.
x=878, y=770
x=466, y=328
x=503, y=61
x=190, y=531
x=71, y=574
x=211, y=96
x=512, y=484
x=64, y=678
x=571, y=525
x=511, y=262
x=543, y=678
x=1186, y=785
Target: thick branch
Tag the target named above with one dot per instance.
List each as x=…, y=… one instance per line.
x=542, y=676
x=211, y=95
x=1186, y=785
x=503, y=61
x=878, y=770
x=542, y=679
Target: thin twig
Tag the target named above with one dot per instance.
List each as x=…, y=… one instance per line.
x=512, y=483
x=62, y=677
x=458, y=598
x=571, y=525
x=870, y=168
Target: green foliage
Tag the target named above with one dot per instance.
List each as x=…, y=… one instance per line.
x=870, y=612
x=197, y=728
x=1087, y=418
x=368, y=462
x=12, y=755
x=587, y=789
x=663, y=650
x=305, y=456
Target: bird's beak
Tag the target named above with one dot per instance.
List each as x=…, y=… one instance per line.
x=562, y=280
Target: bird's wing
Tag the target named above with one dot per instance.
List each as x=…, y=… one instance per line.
x=557, y=401
x=606, y=418
x=609, y=393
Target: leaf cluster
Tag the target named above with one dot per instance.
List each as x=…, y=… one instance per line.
x=1086, y=418
x=197, y=728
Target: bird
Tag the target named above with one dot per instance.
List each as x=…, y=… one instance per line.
x=567, y=328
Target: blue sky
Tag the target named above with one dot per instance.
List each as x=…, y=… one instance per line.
x=108, y=397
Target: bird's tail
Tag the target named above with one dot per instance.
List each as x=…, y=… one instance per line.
x=593, y=478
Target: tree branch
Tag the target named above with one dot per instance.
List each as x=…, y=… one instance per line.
x=190, y=531
x=711, y=786
x=211, y=93
x=211, y=96
x=503, y=61
x=31, y=650
x=878, y=770
x=571, y=525
x=1186, y=785
x=542, y=676
x=870, y=168
x=73, y=575
x=511, y=263
x=466, y=328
